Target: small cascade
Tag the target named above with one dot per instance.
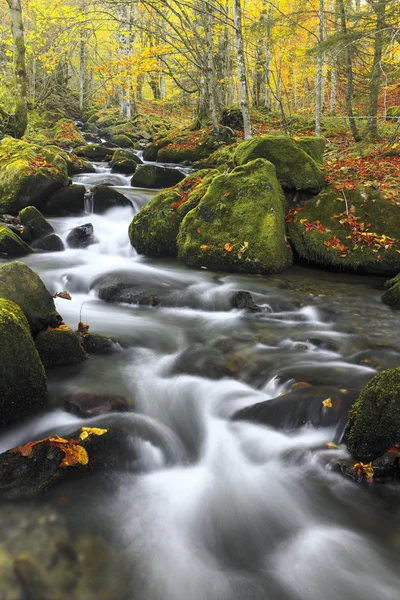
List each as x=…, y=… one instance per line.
x=89, y=203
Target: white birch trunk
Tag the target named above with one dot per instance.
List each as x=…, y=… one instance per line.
x=210, y=71
x=320, y=65
x=243, y=87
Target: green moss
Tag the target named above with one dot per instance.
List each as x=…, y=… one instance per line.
x=378, y=215
x=154, y=229
x=374, y=422
x=28, y=174
x=11, y=244
x=22, y=378
x=313, y=146
x=294, y=168
x=239, y=224
x=124, y=161
x=19, y=284
x=222, y=159
x=33, y=219
x=67, y=135
x=151, y=151
x=123, y=141
x=58, y=347
x=392, y=294
x=393, y=111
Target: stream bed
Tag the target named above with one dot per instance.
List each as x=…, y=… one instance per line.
x=211, y=508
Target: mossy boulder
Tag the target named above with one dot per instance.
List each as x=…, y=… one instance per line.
x=33, y=219
x=11, y=244
x=94, y=152
x=123, y=141
x=154, y=176
x=154, y=229
x=239, y=224
x=222, y=159
x=125, y=162
x=392, y=294
x=187, y=149
x=19, y=284
x=28, y=174
x=360, y=236
x=295, y=169
x=151, y=151
x=314, y=146
x=59, y=347
x=22, y=379
x=67, y=135
x=374, y=422
x=75, y=164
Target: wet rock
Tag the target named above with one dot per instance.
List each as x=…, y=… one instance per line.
x=33, y=578
x=123, y=141
x=23, y=286
x=81, y=236
x=90, y=405
x=154, y=176
x=374, y=422
x=98, y=344
x=67, y=201
x=11, y=244
x=244, y=300
x=105, y=198
x=23, y=390
x=392, y=294
x=49, y=243
x=303, y=406
x=91, y=138
x=33, y=219
x=59, y=347
x=29, y=471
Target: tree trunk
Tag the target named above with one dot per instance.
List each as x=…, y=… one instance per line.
x=82, y=70
x=349, y=72
x=320, y=64
x=244, y=93
x=379, y=8
x=210, y=71
x=268, y=59
x=21, y=108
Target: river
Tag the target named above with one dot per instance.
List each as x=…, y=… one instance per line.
x=214, y=508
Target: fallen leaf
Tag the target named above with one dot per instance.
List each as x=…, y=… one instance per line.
x=64, y=295
x=228, y=247
x=327, y=403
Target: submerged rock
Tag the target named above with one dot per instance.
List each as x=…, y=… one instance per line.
x=356, y=231
x=98, y=344
x=154, y=229
x=23, y=286
x=239, y=224
x=154, y=176
x=28, y=174
x=23, y=390
x=374, y=422
x=81, y=236
x=105, y=198
x=120, y=287
x=58, y=347
x=295, y=168
x=90, y=405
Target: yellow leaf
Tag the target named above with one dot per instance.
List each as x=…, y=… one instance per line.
x=203, y=246
x=86, y=431
x=332, y=446
x=327, y=403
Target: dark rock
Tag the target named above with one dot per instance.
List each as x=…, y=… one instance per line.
x=98, y=344
x=232, y=117
x=81, y=236
x=94, y=152
x=122, y=287
x=92, y=138
x=90, y=405
x=154, y=176
x=244, y=300
x=11, y=244
x=67, y=201
x=105, y=197
x=49, y=243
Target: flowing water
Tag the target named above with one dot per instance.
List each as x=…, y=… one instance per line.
x=210, y=508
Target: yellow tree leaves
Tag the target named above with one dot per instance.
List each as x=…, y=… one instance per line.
x=74, y=452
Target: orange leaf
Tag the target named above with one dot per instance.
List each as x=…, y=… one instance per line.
x=228, y=247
